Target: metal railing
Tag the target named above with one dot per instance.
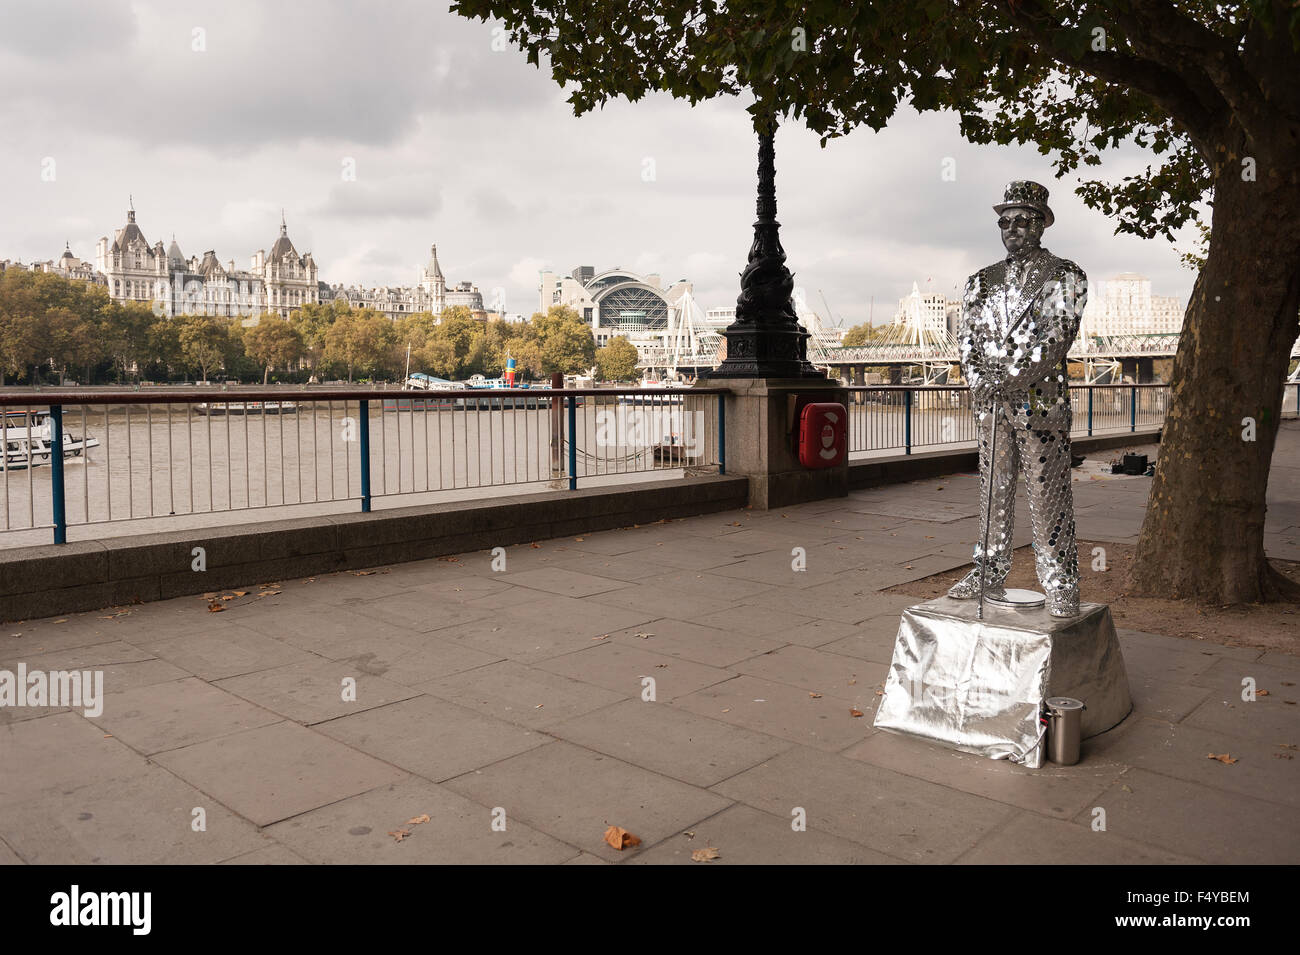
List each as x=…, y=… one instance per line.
x=184, y=458
x=892, y=419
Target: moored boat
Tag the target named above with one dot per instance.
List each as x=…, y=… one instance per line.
x=216, y=408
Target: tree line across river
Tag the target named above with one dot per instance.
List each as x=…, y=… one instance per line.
x=53, y=330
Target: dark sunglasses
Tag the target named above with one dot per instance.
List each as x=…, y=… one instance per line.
x=1019, y=221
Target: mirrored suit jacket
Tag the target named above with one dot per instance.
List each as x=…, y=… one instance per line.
x=1014, y=336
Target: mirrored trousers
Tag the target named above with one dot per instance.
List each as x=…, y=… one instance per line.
x=1042, y=454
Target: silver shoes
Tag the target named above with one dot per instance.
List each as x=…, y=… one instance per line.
x=968, y=588
x=1064, y=604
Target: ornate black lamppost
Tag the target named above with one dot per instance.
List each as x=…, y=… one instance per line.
x=766, y=340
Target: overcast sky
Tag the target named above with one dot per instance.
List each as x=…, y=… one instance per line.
x=476, y=151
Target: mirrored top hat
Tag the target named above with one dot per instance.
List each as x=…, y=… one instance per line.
x=1024, y=194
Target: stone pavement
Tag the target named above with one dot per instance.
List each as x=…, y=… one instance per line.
x=521, y=696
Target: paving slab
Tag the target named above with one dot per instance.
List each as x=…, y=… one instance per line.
x=622, y=668
x=819, y=671
x=147, y=818
x=151, y=719
x=32, y=637
x=355, y=831
x=1031, y=839
x=691, y=641
x=787, y=712
x=519, y=694
x=1162, y=700
x=907, y=818
x=324, y=630
x=219, y=652
x=433, y=738
x=315, y=692
x=416, y=610
x=93, y=657
x=1198, y=821
x=270, y=855
x=60, y=752
x=277, y=771
x=574, y=795
x=1267, y=770
x=1058, y=791
x=409, y=661
x=562, y=581
x=625, y=567
x=743, y=835
x=642, y=601
x=872, y=639
x=661, y=738
x=566, y=619
x=755, y=621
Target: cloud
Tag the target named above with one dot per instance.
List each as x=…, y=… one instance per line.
x=476, y=151
x=393, y=199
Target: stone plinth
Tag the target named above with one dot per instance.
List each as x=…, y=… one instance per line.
x=758, y=440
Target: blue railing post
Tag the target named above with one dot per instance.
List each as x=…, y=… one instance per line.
x=1091, y=389
x=363, y=421
x=56, y=473
x=722, y=434
x=907, y=420
x=1133, y=410
x=573, y=442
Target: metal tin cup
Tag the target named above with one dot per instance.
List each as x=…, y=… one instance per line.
x=1065, y=729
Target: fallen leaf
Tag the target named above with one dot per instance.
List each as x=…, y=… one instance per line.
x=620, y=838
x=400, y=834
x=704, y=855
x=214, y=607
x=1288, y=745
x=241, y=593
x=643, y=636
x=1261, y=692
x=855, y=713
x=270, y=593
x=815, y=696
x=580, y=539
x=418, y=820
x=1222, y=757
x=537, y=545
x=363, y=573
x=1283, y=756
x=63, y=620
x=688, y=834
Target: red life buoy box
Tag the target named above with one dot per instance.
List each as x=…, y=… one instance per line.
x=823, y=435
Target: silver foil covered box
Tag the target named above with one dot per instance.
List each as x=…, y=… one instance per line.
x=979, y=685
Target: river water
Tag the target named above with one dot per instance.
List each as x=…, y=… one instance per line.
x=155, y=471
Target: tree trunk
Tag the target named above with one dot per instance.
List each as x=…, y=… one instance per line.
x=1203, y=536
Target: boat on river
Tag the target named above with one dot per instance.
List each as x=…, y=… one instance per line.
x=218, y=408
x=28, y=441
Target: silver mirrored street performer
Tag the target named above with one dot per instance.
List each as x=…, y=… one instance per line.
x=1019, y=318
